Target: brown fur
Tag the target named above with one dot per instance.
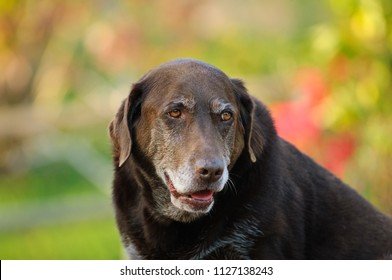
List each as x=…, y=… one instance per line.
x=190, y=183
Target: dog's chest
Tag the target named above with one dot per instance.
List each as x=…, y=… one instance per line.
x=133, y=252
x=235, y=244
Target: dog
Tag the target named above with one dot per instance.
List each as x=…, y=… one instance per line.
x=200, y=173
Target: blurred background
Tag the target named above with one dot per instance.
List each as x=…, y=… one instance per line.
x=323, y=67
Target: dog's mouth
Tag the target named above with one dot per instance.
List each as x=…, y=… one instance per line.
x=198, y=201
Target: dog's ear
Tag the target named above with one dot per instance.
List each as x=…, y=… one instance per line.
x=247, y=111
x=120, y=128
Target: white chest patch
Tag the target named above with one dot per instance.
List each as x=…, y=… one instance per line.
x=132, y=252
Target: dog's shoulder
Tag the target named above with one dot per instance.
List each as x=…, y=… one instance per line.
x=313, y=210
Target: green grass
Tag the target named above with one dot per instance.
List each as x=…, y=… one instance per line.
x=90, y=235
x=94, y=239
x=56, y=179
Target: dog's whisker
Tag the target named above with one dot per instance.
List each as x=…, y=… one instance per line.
x=231, y=186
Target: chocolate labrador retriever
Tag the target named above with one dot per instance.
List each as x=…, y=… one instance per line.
x=200, y=173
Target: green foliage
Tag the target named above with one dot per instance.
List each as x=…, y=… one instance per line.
x=355, y=48
x=43, y=183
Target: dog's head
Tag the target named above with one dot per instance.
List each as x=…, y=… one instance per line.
x=192, y=123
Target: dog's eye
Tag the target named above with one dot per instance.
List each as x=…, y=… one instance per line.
x=226, y=116
x=175, y=113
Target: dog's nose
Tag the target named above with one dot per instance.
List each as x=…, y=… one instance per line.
x=210, y=171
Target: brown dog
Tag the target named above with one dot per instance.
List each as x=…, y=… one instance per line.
x=201, y=173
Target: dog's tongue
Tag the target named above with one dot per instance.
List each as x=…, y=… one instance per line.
x=202, y=195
